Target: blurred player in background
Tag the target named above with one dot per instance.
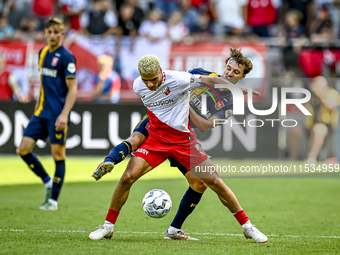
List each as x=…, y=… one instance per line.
x=51, y=117
x=237, y=67
x=324, y=118
x=9, y=84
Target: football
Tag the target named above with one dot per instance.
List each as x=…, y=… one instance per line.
x=157, y=203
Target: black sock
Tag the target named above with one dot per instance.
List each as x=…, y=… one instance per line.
x=35, y=165
x=188, y=203
x=58, y=178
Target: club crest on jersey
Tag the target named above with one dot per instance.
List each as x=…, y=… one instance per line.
x=166, y=90
x=219, y=105
x=54, y=61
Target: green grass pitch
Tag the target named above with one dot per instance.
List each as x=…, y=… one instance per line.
x=300, y=215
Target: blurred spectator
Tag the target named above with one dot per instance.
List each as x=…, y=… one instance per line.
x=130, y=18
x=154, y=29
x=177, y=29
x=42, y=10
x=72, y=9
x=229, y=16
x=6, y=30
x=100, y=20
x=324, y=118
x=190, y=14
x=107, y=82
x=203, y=30
x=29, y=30
x=292, y=37
x=166, y=7
x=9, y=85
x=260, y=15
x=321, y=29
x=304, y=6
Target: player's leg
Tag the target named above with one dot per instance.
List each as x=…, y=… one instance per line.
x=118, y=154
x=35, y=130
x=319, y=133
x=25, y=152
x=59, y=155
x=136, y=167
x=228, y=199
x=58, y=151
x=187, y=205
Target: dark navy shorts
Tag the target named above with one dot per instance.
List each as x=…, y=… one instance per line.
x=41, y=128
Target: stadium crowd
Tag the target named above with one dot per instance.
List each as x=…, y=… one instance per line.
x=181, y=20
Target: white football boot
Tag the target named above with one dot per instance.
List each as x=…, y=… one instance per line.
x=104, y=231
x=250, y=231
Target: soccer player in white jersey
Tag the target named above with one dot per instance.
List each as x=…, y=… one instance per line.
x=166, y=96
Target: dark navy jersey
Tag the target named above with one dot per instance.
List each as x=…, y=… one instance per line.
x=54, y=68
x=219, y=103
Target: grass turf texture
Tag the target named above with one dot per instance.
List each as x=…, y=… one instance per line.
x=299, y=215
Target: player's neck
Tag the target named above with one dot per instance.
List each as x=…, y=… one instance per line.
x=54, y=48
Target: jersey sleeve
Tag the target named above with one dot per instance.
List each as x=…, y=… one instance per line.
x=69, y=66
x=203, y=72
x=187, y=81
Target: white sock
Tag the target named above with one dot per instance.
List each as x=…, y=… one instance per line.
x=107, y=222
x=49, y=184
x=247, y=224
x=53, y=202
x=172, y=230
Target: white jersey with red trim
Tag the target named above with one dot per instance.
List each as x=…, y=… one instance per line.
x=170, y=102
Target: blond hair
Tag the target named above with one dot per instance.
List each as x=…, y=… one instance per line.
x=149, y=64
x=238, y=57
x=54, y=21
x=105, y=60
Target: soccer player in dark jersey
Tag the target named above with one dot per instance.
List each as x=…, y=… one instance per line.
x=219, y=106
x=58, y=93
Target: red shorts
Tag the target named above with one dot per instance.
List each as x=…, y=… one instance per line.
x=188, y=152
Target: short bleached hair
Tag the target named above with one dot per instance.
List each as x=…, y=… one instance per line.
x=149, y=64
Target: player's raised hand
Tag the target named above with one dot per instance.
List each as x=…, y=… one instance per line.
x=254, y=92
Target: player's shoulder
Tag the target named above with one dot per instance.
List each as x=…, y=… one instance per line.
x=202, y=71
x=65, y=52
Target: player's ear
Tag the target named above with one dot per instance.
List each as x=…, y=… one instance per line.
x=244, y=76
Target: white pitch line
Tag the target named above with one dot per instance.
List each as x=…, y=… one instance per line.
x=158, y=233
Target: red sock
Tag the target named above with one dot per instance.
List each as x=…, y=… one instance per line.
x=241, y=217
x=112, y=216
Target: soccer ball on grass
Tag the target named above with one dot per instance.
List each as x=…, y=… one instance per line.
x=157, y=203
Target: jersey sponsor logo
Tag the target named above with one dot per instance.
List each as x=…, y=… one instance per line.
x=147, y=127
x=48, y=72
x=54, y=61
x=143, y=151
x=160, y=103
x=166, y=90
x=71, y=67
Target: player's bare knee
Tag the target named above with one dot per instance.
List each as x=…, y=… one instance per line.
x=21, y=152
x=199, y=186
x=320, y=129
